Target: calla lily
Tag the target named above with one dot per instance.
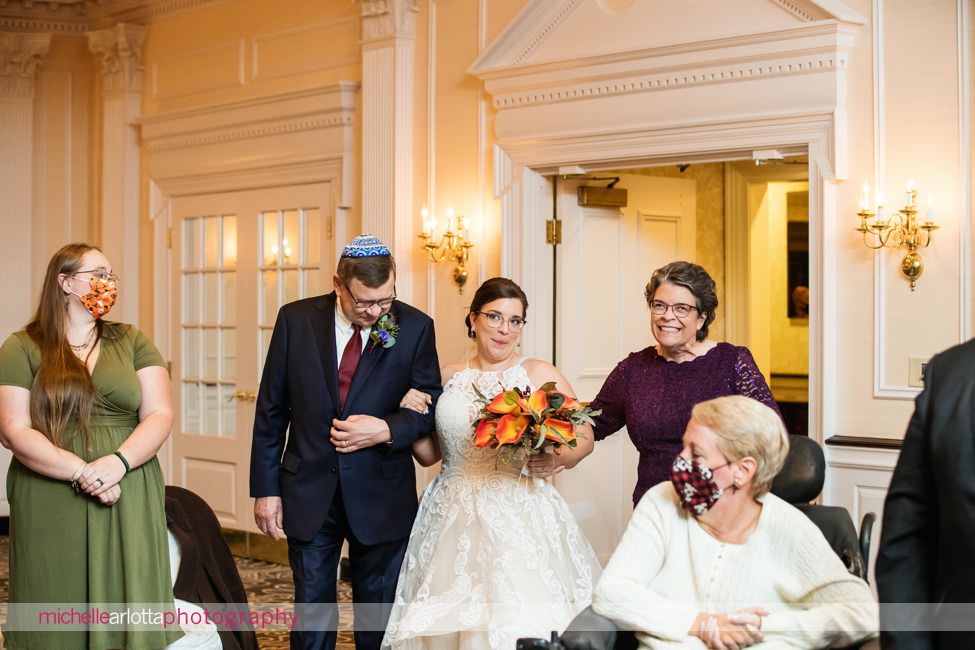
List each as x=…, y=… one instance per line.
x=484, y=434
x=510, y=428
x=571, y=404
x=538, y=402
x=558, y=430
x=506, y=402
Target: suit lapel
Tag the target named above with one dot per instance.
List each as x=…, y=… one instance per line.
x=323, y=325
x=367, y=363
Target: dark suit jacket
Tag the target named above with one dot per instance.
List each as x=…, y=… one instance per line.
x=927, y=548
x=300, y=388
x=207, y=570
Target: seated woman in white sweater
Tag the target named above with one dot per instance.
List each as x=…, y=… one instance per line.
x=714, y=560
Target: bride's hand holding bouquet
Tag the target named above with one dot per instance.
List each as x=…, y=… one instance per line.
x=538, y=421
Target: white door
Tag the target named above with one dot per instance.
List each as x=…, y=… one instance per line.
x=239, y=257
x=605, y=260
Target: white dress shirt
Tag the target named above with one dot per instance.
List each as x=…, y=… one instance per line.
x=343, y=332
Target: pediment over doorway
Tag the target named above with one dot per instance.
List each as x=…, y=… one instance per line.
x=549, y=31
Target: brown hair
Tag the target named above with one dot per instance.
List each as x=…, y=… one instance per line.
x=372, y=271
x=491, y=290
x=693, y=278
x=62, y=390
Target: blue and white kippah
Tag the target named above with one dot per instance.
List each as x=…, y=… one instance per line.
x=366, y=246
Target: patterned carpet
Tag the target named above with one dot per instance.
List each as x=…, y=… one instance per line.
x=265, y=582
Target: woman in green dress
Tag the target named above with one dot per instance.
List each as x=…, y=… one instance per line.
x=84, y=407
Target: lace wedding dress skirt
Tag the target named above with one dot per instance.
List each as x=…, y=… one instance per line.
x=494, y=555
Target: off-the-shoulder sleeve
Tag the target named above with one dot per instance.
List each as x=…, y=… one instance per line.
x=145, y=351
x=750, y=382
x=15, y=367
x=611, y=400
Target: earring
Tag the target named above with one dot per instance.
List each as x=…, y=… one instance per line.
x=471, y=335
x=518, y=345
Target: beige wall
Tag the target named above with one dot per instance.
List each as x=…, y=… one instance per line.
x=64, y=132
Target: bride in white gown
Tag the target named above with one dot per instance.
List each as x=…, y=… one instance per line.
x=494, y=554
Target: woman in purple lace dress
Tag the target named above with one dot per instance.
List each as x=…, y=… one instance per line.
x=652, y=392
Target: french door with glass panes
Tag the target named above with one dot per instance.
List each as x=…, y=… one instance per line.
x=238, y=257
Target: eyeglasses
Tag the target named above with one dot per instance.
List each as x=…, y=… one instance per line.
x=494, y=320
x=101, y=274
x=659, y=307
x=366, y=304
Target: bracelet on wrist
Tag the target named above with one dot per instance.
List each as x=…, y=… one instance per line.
x=124, y=462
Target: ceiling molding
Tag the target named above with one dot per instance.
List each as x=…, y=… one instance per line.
x=79, y=16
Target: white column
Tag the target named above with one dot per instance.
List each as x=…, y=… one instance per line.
x=20, y=55
x=119, y=53
x=388, y=35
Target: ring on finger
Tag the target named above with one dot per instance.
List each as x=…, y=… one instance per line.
x=100, y=482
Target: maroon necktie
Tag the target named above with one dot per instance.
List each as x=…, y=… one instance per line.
x=350, y=360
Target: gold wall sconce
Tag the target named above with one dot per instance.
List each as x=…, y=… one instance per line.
x=903, y=228
x=454, y=244
x=279, y=255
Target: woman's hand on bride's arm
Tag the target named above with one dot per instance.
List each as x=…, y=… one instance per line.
x=416, y=401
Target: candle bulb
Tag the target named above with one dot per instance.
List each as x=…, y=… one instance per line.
x=450, y=220
x=910, y=190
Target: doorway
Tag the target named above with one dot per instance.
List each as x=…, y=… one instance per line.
x=607, y=256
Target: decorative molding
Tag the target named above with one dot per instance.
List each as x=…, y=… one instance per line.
x=549, y=27
x=255, y=131
x=25, y=24
x=20, y=54
x=383, y=19
x=119, y=53
x=672, y=79
x=143, y=12
x=799, y=11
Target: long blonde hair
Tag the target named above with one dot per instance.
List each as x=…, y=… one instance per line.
x=63, y=389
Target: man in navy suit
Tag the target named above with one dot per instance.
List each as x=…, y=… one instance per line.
x=336, y=370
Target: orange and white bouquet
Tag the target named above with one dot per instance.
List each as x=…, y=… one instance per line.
x=532, y=420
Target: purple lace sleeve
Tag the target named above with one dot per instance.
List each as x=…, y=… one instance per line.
x=611, y=401
x=750, y=382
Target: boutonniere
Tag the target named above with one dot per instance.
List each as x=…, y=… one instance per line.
x=384, y=332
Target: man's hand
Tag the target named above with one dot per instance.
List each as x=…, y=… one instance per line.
x=269, y=515
x=358, y=432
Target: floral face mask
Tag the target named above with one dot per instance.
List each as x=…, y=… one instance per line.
x=100, y=300
x=695, y=485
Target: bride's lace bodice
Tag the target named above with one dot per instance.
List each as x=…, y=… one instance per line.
x=457, y=409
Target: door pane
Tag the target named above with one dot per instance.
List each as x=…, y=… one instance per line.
x=269, y=296
x=210, y=298
x=191, y=243
x=229, y=241
x=191, y=298
x=228, y=298
x=191, y=407
x=269, y=239
x=191, y=352
x=211, y=241
x=229, y=360
x=313, y=232
x=210, y=353
x=291, y=243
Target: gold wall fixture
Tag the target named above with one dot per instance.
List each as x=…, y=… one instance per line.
x=902, y=229
x=453, y=244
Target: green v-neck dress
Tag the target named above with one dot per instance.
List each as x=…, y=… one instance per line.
x=67, y=547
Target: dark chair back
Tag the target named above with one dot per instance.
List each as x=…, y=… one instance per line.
x=800, y=481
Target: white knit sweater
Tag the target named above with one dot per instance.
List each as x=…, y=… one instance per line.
x=667, y=569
